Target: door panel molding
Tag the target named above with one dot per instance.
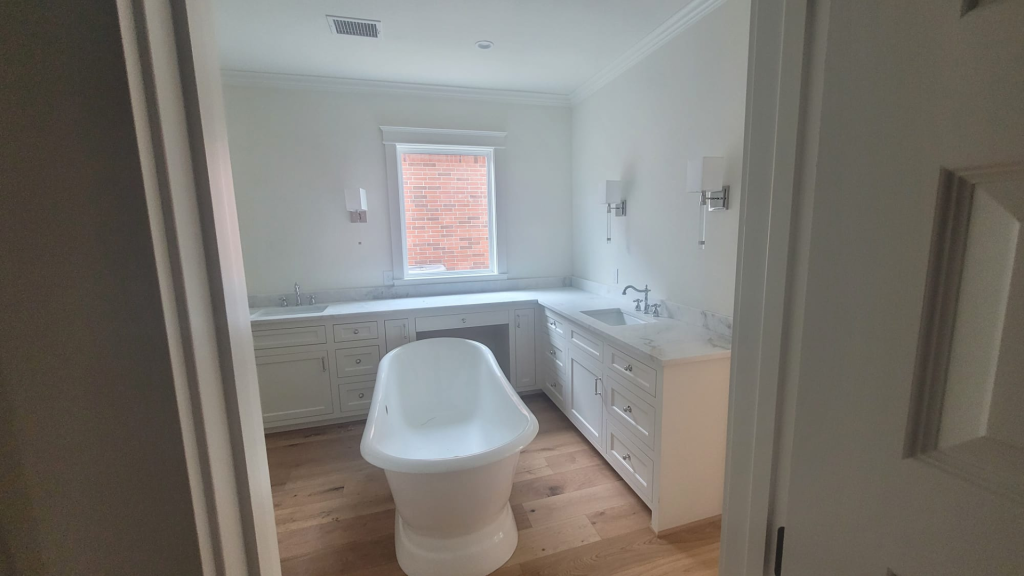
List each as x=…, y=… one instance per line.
x=986, y=462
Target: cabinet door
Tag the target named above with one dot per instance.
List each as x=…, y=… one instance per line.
x=586, y=404
x=296, y=385
x=396, y=333
x=526, y=354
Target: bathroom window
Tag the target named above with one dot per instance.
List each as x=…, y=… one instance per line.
x=445, y=200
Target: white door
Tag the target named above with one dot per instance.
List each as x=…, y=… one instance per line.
x=526, y=352
x=295, y=385
x=586, y=406
x=908, y=453
x=396, y=333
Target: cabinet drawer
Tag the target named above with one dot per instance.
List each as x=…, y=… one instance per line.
x=587, y=343
x=555, y=326
x=554, y=387
x=357, y=361
x=286, y=337
x=635, y=467
x=355, y=398
x=553, y=354
x=633, y=371
x=630, y=412
x=462, y=320
x=356, y=331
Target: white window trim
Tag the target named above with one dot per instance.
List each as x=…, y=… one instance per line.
x=430, y=140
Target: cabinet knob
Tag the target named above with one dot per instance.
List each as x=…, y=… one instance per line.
x=360, y=394
x=552, y=352
x=359, y=360
x=628, y=368
x=356, y=331
x=626, y=457
x=628, y=409
x=463, y=320
x=552, y=323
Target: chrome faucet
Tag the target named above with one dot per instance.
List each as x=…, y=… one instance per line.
x=298, y=295
x=645, y=292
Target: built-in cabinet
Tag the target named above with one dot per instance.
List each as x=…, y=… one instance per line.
x=627, y=403
x=294, y=385
x=319, y=371
x=661, y=427
x=586, y=408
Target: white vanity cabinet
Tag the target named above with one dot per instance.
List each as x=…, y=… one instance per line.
x=661, y=427
x=397, y=332
x=294, y=384
x=585, y=404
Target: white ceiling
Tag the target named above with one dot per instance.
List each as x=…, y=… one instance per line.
x=548, y=46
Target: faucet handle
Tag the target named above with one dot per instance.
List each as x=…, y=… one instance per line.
x=284, y=302
x=638, y=301
x=656, y=310
x=312, y=299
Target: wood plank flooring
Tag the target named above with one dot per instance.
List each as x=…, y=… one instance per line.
x=335, y=514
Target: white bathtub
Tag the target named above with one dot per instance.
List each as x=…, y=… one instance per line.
x=447, y=427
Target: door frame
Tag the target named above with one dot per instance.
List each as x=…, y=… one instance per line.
x=777, y=124
x=176, y=92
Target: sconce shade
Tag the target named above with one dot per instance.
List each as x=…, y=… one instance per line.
x=612, y=192
x=705, y=174
x=355, y=199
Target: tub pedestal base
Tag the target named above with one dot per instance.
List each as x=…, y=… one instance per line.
x=475, y=554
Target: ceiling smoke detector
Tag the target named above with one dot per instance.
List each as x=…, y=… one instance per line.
x=354, y=26
x=485, y=44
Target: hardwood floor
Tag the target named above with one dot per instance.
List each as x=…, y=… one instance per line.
x=575, y=515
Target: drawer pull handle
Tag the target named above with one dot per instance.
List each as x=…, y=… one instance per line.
x=360, y=394
x=597, y=392
x=323, y=363
x=359, y=360
x=356, y=331
x=628, y=409
x=463, y=320
x=628, y=368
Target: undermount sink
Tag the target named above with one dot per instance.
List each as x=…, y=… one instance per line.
x=614, y=317
x=290, y=311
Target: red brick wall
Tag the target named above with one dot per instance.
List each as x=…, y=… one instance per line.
x=446, y=210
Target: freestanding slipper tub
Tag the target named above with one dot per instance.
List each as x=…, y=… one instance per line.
x=447, y=428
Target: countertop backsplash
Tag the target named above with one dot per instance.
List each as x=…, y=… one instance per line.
x=717, y=323
x=331, y=295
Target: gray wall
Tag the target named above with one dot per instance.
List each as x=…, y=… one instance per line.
x=92, y=468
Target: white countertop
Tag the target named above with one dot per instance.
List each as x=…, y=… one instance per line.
x=663, y=339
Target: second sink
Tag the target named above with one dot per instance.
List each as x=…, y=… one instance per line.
x=614, y=317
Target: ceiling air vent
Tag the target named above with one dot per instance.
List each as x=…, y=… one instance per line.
x=354, y=26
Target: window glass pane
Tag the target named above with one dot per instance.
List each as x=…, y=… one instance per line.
x=446, y=212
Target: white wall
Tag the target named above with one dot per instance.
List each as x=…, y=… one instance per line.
x=683, y=101
x=293, y=152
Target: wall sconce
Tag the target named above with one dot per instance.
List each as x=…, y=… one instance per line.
x=355, y=202
x=615, y=201
x=705, y=177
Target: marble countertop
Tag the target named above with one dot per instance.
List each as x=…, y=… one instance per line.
x=664, y=340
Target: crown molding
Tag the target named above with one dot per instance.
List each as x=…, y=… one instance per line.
x=680, y=21
x=294, y=81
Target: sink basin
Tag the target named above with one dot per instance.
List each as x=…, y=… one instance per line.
x=614, y=317
x=290, y=311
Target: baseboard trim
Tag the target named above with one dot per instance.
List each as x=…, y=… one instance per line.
x=690, y=526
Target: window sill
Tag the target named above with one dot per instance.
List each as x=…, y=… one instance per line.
x=449, y=279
